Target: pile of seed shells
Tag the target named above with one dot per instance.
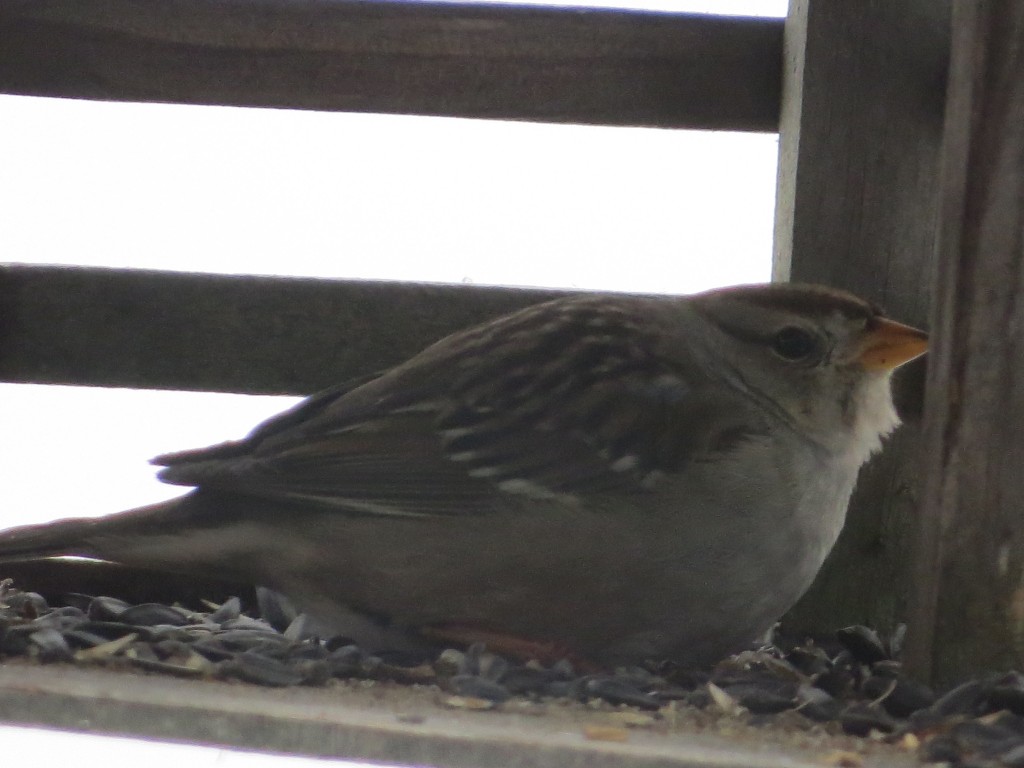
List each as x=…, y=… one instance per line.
x=855, y=682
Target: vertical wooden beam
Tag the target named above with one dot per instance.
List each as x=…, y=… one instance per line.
x=968, y=606
x=860, y=133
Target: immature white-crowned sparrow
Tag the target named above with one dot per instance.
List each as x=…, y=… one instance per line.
x=626, y=477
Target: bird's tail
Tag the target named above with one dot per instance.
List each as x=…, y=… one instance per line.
x=84, y=537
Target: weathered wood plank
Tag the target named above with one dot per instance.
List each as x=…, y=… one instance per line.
x=137, y=328
x=968, y=607
x=381, y=723
x=541, y=64
x=859, y=146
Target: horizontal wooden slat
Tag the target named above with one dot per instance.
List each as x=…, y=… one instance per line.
x=165, y=330
x=541, y=64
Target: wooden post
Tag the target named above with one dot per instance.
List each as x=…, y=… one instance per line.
x=861, y=127
x=968, y=603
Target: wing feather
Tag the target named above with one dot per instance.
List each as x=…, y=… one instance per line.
x=551, y=403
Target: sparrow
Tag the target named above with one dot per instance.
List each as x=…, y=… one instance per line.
x=628, y=477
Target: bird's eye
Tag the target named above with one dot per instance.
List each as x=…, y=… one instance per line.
x=792, y=343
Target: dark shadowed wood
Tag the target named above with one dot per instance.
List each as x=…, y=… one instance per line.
x=542, y=64
x=165, y=330
x=54, y=579
x=859, y=147
x=968, y=611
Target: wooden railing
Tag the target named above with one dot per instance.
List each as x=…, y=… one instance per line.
x=868, y=194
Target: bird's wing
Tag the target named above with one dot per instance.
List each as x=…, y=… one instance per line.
x=547, y=404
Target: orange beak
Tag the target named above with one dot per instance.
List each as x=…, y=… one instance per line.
x=890, y=344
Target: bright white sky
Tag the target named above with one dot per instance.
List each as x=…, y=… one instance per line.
x=335, y=195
